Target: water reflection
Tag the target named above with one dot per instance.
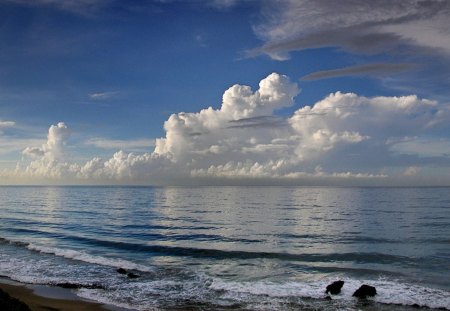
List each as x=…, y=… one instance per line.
x=238, y=232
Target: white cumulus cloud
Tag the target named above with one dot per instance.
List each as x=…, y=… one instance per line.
x=53, y=149
x=343, y=137
x=132, y=145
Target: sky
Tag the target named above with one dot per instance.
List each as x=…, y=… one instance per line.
x=225, y=92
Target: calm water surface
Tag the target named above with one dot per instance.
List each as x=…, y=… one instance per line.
x=228, y=248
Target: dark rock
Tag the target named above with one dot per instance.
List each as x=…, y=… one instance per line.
x=121, y=271
x=328, y=298
x=77, y=286
x=11, y=304
x=365, y=291
x=69, y=285
x=131, y=275
x=335, y=287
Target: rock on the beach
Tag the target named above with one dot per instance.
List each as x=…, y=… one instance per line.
x=335, y=287
x=11, y=304
x=365, y=291
x=121, y=271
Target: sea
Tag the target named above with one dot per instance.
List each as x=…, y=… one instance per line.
x=231, y=248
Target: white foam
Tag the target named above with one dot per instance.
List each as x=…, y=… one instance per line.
x=151, y=291
x=100, y=297
x=138, y=295
x=407, y=294
x=94, y=259
x=389, y=292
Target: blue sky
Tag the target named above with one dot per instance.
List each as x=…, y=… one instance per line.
x=82, y=80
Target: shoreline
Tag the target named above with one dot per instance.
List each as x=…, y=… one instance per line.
x=46, y=297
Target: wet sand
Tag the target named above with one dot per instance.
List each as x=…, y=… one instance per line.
x=45, y=298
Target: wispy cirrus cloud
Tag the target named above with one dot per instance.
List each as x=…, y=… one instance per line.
x=364, y=27
x=5, y=124
x=423, y=147
x=102, y=95
x=376, y=69
x=397, y=32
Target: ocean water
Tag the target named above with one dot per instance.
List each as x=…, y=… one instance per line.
x=231, y=248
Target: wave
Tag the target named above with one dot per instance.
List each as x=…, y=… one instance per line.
x=141, y=235
x=211, y=253
x=89, y=258
x=166, y=285
x=180, y=285
x=79, y=255
x=388, y=291
x=372, y=257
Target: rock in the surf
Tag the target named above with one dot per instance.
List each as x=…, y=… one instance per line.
x=132, y=275
x=365, y=291
x=335, y=287
x=121, y=271
x=69, y=285
x=78, y=286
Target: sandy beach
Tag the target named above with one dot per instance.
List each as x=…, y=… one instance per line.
x=44, y=298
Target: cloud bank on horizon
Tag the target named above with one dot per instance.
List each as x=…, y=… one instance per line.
x=342, y=139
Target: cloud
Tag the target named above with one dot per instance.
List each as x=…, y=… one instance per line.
x=102, y=95
x=53, y=149
x=49, y=160
x=128, y=167
x=130, y=145
x=344, y=138
x=421, y=146
x=9, y=145
x=82, y=7
x=11, y=140
x=411, y=171
x=249, y=169
x=222, y=4
x=6, y=124
x=366, y=27
x=263, y=121
x=378, y=69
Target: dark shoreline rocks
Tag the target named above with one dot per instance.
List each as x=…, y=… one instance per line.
x=130, y=274
x=11, y=304
x=121, y=271
x=335, y=287
x=365, y=291
x=78, y=286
